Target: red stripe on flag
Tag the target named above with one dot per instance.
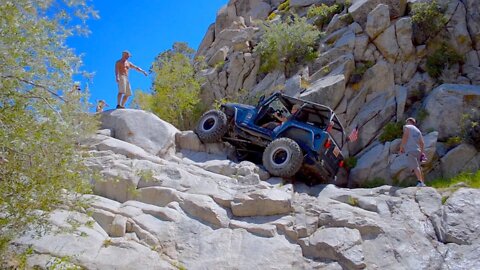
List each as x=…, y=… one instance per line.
x=353, y=135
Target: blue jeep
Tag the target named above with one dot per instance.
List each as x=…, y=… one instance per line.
x=308, y=141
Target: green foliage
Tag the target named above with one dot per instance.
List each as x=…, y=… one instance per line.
x=323, y=13
x=352, y=201
x=176, y=87
x=376, y=182
x=107, y=242
x=444, y=199
x=285, y=6
x=422, y=115
x=453, y=141
x=428, y=18
x=470, y=127
x=63, y=263
x=241, y=96
x=359, y=71
x=442, y=58
x=391, y=131
x=271, y=16
x=41, y=119
x=284, y=45
x=470, y=179
x=346, y=18
x=351, y=162
x=347, y=3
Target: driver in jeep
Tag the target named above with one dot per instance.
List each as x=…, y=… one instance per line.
x=281, y=118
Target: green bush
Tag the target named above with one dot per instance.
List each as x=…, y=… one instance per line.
x=284, y=45
x=428, y=19
x=470, y=127
x=40, y=125
x=350, y=162
x=285, y=6
x=391, y=131
x=323, y=13
x=376, y=182
x=359, y=71
x=442, y=58
x=176, y=88
x=453, y=141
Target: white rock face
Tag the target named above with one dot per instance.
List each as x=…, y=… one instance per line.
x=336, y=244
x=262, y=203
x=449, y=102
x=378, y=20
x=142, y=129
x=459, y=160
x=387, y=44
x=360, y=8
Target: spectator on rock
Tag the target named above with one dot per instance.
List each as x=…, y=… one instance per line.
x=121, y=76
x=413, y=146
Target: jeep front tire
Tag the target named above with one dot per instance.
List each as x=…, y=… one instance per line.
x=212, y=126
x=283, y=157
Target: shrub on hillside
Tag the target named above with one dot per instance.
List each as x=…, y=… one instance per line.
x=391, y=131
x=285, y=6
x=284, y=45
x=443, y=57
x=470, y=124
x=428, y=19
x=323, y=14
x=359, y=71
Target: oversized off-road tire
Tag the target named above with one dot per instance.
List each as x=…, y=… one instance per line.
x=212, y=126
x=283, y=157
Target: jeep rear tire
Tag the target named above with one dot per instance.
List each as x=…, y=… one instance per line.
x=212, y=126
x=283, y=157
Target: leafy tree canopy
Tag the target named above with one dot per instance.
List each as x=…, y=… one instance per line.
x=41, y=118
x=176, y=87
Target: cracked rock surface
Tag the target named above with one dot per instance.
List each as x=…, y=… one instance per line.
x=172, y=212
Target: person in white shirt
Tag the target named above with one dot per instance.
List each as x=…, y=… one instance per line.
x=413, y=146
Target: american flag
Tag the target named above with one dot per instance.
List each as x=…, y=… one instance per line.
x=353, y=135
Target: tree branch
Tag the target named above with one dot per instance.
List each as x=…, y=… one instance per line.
x=33, y=84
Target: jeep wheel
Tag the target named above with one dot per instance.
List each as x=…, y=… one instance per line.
x=283, y=157
x=212, y=126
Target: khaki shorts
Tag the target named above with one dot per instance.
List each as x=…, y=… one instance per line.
x=124, y=86
x=413, y=159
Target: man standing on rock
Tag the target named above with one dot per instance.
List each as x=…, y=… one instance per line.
x=413, y=145
x=121, y=75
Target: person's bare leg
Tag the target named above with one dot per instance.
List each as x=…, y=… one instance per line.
x=124, y=100
x=419, y=174
x=119, y=98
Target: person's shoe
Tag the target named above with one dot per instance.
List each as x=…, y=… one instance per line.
x=420, y=184
x=118, y=107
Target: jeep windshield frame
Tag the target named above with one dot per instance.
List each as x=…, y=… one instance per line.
x=325, y=114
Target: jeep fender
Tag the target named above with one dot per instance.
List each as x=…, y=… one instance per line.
x=305, y=137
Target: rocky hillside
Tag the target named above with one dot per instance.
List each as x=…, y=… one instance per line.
x=163, y=200
x=374, y=67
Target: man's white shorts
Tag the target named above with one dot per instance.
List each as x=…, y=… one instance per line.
x=124, y=85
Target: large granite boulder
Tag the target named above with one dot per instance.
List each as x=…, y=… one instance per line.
x=449, y=103
x=361, y=8
x=142, y=129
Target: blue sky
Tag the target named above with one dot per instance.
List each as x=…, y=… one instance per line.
x=145, y=28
